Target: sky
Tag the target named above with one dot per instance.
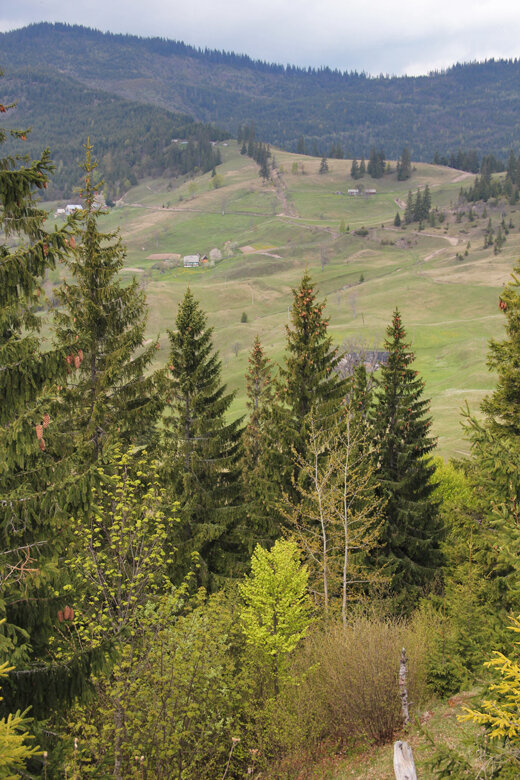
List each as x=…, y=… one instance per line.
x=376, y=36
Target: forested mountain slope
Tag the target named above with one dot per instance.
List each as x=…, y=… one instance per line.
x=131, y=141
x=471, y=106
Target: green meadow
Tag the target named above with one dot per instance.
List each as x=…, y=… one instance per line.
x=443, y=281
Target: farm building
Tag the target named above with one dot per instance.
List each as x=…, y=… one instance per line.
x=191, y=261
x=70, y=208
x=370, y=192
x=372, y=359
x=353, y=192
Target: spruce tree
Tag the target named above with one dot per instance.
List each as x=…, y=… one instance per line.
x=409, y=215
x=256, y=481
x=404, y=165
x=35, y=479
x=409, y=544
x=202, y=450
x=362, y=168
x=354, y=169
x=110, y=396
x=308, y=382
x=324, y=166
x=496, y=450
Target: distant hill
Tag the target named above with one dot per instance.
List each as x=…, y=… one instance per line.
x=130, y=141
x=472, y=106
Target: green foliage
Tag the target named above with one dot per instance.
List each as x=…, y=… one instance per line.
x=35, y=482
x=201, y=450
x=324, y=166
x=404, y=165
x=275, y=611
x=376, y=163
x=307, y=381
x=171, y=706
x=254, y=464
x=400, y=428
x=110, y=394
x=14, y=750
x=336, y=516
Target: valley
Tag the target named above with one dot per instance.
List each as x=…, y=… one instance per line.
x=443, y=281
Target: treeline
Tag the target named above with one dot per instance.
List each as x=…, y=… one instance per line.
x=485, y=186
x=470, y=161
x=258, y=151
x=132, y=141
x=192, y=597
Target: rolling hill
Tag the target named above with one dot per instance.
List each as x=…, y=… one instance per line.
x=442, y=279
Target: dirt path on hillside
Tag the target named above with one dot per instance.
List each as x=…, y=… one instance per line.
x=462, y=177
x=450, y=239
x=434, y=254
x=280, y=187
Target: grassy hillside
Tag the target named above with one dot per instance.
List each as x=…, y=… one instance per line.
x=448, y=303
x=468, y=106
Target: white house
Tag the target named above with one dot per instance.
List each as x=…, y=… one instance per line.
x=191, y=261
x=70, y=208
x=353, y=192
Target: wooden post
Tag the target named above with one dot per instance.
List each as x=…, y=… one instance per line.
x=403, y=690
x=404, y=766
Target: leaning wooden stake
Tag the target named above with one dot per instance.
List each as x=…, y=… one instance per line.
x=403, y=689
x=404, y=766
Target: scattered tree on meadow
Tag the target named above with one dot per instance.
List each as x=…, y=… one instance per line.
x=410, y=534
x=354, y=169
x=324, y=166
x=404, y=165
x=376, y=163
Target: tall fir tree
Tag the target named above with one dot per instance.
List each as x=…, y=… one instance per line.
x=35, y=480
x=308, y=382
x=496, y=449
x=112, y=395
x=354, y=169
x=410, y=538
x=404, y=165
x=202, y=450
x=324, y=166
x=362, y=168
x=409, y=214
x=254, y=462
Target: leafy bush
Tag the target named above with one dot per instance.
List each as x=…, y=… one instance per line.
x=344, y=685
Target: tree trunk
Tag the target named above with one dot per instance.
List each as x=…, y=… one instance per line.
x=404, y=766
x=403, y=689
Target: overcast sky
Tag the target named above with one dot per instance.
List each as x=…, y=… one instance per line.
x=378, y=36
